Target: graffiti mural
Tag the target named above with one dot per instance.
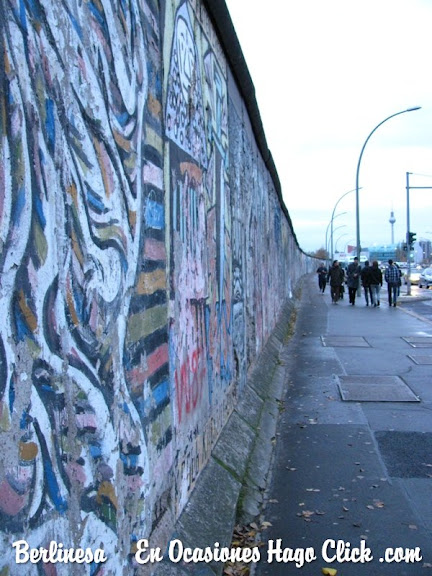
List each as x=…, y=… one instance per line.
x=201, y=325
x=144, y=258
x=75, y=185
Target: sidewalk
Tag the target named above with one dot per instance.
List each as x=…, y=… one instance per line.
x=353, y=460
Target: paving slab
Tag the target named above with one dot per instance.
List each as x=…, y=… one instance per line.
x=375, y=389
x=419, y=341
x=345, y=341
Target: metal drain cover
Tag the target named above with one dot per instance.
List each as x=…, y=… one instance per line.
x=375, y=389
x=344, y=341
x=419, y=341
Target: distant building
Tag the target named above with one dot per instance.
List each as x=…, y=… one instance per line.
x=426, y=247
x=383, y=253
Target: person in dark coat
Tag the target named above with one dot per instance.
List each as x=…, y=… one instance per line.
x=353, y=279
x=365, y=281
x=336, y=277
x=376, y=280
x=322, y=277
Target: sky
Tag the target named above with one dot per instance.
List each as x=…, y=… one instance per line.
x=325, y=75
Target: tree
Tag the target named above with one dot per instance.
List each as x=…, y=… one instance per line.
x=321, y=253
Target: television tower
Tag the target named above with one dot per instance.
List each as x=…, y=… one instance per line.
x=392, y=221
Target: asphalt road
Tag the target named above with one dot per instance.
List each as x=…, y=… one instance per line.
x=420, y=304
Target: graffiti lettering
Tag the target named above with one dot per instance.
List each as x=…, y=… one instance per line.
x=189, y=380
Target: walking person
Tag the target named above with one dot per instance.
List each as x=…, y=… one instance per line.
x=392, y=277
x=336, y=277
x=365, y=281
x=353, y=279
x=376, y=280
x=322, y=277
x=400, y=278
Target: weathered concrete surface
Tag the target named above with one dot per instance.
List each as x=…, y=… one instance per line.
x=231, y=487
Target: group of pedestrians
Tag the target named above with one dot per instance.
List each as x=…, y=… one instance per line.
x=369, y=277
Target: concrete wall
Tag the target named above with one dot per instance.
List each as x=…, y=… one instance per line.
x=145, y=256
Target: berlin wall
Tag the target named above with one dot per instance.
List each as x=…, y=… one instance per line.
x=145, y=256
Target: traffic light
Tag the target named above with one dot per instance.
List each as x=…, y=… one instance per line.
x=412, y=239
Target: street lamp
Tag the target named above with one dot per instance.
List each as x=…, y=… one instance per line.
x=333, y=217
x=337, y=240
x=337, y=228
x=358, y=247
x=330, y=224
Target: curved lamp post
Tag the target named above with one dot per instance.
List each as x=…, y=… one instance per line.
x=333, y=217
x=337, y=228
x=358, y=246
x=330, y=224
x=337, y=240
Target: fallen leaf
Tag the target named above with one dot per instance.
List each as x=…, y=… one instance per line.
x=307, y=513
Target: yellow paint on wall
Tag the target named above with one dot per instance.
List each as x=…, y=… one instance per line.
x=40, y=241
x=154, y=139
x=30, y=318
x=107, y=489
x=28, y=451
x=154, y=106
x=150, y=282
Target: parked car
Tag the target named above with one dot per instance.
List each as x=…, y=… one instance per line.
x=414, y=277
x=425, y=279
